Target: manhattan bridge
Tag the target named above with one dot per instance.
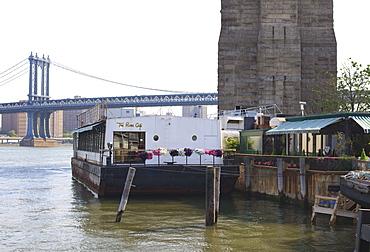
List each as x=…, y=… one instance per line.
x=40, y=106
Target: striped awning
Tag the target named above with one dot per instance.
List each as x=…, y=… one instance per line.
x=305, y=126
x=363, y=121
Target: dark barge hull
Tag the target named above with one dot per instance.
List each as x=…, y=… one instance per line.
x=108, y=181
x=357, y=190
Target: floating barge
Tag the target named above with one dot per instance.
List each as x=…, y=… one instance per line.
x=108, y=181
x=170, y=153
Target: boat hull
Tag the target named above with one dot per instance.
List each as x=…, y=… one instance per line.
x=357, y=190
x=109, y=181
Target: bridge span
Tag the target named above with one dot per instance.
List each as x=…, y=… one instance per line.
x=111, y=102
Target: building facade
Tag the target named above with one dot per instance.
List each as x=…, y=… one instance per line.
x=16, y=122
x=56, y=123
x=194, y=111
x=70, y=119
x=275, y=52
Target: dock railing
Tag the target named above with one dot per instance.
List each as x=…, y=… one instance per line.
x=314, y=163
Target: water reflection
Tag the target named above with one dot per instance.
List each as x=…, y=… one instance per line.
x=81, y=194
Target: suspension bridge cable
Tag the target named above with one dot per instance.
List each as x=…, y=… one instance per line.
x=14, y=74
x=114, y=82
x=13, y=66
x=14, y=70
x=13, y=77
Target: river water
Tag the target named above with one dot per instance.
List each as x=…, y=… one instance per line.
x=43, y=209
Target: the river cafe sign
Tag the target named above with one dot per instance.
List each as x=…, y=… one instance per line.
x=129, y=125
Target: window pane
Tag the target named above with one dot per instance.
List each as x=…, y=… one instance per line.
x=127, y=146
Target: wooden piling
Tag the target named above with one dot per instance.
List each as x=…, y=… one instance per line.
x=302, y=176
x=210, y=195
x=363, y=231
x=217, y=190
x=247, y=164
x=280, y=176
x=125, y=193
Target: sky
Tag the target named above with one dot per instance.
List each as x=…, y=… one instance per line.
x=162, y=44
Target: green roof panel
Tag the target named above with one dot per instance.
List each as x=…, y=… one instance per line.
x=305, y=126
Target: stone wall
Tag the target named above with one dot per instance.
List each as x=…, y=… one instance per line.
x=275, y=52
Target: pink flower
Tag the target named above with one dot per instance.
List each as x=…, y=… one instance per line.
x=156, y=152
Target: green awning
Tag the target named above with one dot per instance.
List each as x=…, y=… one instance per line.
x=363, y=121
x=305, y=126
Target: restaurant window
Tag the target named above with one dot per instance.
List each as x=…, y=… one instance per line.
x=127, y=146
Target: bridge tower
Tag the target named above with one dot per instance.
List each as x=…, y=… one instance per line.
x=275, y=52
x=38, y=92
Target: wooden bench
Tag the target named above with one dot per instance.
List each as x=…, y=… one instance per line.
x=335, y=206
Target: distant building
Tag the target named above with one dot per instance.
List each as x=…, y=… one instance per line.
x=122, y=112
x=70, y=119
x=194, y=111
x=16, y=122
x=56, y=123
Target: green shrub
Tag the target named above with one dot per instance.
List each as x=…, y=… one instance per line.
x=283, y=152
x=11, y=133
x=363, y=155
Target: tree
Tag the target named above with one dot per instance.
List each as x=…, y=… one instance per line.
x=67, y=134
x=232, y=143
x=352, y=90
x=327, y=100
x=11, y=133
x=354, y=87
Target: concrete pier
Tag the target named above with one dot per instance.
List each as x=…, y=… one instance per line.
x=38, y=142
